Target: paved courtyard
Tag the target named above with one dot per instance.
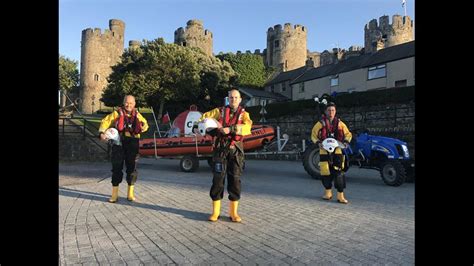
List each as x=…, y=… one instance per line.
x=285, y=221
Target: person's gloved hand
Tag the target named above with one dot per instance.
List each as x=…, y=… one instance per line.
x=346, y=144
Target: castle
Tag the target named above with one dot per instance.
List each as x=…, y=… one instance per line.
x=286, y=49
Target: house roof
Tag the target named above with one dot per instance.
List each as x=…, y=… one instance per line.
x=393, y=53
x=262, y=94
x=288, y=75
x=386, y=55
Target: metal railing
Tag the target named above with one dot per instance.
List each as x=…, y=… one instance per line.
x=82, y=127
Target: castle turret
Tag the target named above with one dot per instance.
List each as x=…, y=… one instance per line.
x=194, y=36
x=286, y=46
x=133, y=44
x=385, y=34
x=99, y=52
x=401, y=31
x=315, y=57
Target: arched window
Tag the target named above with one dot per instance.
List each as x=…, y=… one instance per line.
x=96, y=77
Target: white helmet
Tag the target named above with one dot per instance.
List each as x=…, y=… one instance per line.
x=330, y=144
x=207, y=124
x=113, y=135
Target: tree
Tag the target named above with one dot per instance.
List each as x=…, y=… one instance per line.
x=157, y=72
x=68, y=77
x=249, y=67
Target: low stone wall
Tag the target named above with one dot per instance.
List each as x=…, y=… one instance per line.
x=390, y=120
x=78, y=148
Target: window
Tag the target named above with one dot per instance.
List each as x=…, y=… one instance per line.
x=272, y=89
x=301, y=87
x=96, y=77
x=184, y=44
x=334, y=80
x=283, y=88
x=377, y=72
x=401, y=83
x=277, y=43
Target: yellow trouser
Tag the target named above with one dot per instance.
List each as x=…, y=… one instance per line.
x=324, y=164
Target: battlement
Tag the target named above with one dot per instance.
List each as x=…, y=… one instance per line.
x=288, y=28
x=116, y=22
x=134, y=43
x=398, y=22
x=91, y=33
x=384, y=22
x=354, y=48
x=179, y=31
x=372, y=25
x=116, y=31
x=97, y=33
x=192, y=25
x=194, y=22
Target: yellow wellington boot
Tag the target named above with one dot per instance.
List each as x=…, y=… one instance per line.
x=327, y=194
x=233, y=211
x=216, y=210
x=340, y=198
x=114, y=197
x=130, y=195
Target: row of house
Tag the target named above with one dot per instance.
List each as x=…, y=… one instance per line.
x=390, y=67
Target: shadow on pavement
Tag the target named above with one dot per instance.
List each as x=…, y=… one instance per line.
x=74, y=193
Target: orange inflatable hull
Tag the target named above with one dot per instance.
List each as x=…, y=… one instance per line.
x=178, y=146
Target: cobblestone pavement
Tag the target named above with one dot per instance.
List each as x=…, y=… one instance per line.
x=285, y=221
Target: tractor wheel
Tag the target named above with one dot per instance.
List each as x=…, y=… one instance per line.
x=393, y=173
x=311, y=162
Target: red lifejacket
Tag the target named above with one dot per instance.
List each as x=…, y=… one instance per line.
x=329, y=129
x=225, y=121
x=125, y=123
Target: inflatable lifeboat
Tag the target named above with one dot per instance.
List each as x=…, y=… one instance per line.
x=180, y=142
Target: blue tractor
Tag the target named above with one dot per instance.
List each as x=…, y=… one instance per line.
x=390, y=156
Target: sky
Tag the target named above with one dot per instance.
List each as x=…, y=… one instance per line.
x=236, y=25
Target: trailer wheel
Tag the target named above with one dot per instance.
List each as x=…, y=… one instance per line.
x=189, y=163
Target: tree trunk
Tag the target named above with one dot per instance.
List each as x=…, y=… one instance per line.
x=162, y=105
x=63, y=98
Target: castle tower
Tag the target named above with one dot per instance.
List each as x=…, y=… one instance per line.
x=194, y=36
x=385, y=34
x=315, y=57
x=99, y=52
x=286, y=47
x=134, y=44
x=327, y=58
